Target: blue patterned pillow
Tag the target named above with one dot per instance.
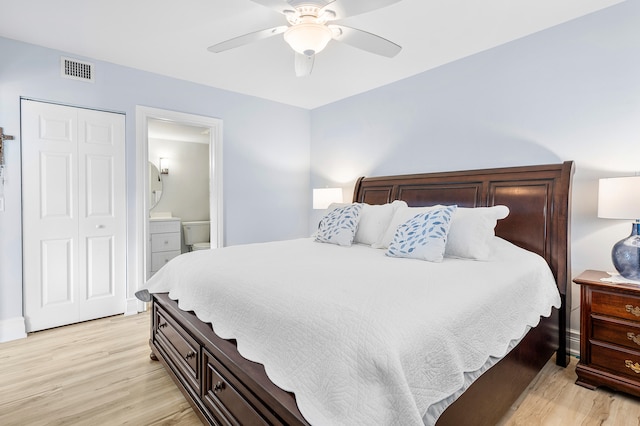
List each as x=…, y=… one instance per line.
x=424, y=236
x=339, y=226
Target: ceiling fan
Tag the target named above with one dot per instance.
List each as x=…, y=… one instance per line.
x=309, y=30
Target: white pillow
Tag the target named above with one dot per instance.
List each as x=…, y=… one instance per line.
x=339, y=225
x=334, y=206
x=423, y=236
x=472, y=230
x=374, y=220
x=400, y=216
x=329, y=209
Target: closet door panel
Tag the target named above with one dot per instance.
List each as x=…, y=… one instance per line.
x=74, y=242
x=50, y=204
x=102, y=213
x=100, y=268
x=57, y=273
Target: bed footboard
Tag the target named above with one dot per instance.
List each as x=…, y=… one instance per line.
x=221, y=386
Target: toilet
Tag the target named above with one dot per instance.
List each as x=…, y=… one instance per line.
x=196, y=235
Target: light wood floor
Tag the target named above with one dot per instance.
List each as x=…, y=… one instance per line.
x=99, y=373
x=94, y=373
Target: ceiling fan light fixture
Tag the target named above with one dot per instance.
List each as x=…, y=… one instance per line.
x=308, y=38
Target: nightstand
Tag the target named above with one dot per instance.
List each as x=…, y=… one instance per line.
x=609, y=334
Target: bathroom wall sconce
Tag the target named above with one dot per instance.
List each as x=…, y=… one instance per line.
x=164, y=166
x=323, y=197
x=618, y=198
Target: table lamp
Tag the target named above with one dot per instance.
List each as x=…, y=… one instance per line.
x=323, y=197
x=619, y=198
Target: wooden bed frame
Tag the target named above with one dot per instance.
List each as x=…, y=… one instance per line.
x=224, y=388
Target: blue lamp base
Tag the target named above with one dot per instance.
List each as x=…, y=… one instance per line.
x=626, y=254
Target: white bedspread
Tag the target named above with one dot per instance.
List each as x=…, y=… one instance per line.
x=359, y=337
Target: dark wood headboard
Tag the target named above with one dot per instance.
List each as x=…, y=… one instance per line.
x=538, y=197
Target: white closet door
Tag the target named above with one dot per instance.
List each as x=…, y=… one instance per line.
x=102, y=224
x=74, y=231
x=50, y=219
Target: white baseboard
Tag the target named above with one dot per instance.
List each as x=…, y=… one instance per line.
x=134, y=306
x=574, y=342
x=131, y=307
x=12, y=329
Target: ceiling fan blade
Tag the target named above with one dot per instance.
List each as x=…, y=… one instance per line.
x=246, y=39
x=304, y=64
x=345, y=8
x=365, y=41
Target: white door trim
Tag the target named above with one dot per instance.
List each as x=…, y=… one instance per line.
x=143, y=114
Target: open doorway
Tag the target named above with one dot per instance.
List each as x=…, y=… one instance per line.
x=179, y=169
x=159, y=134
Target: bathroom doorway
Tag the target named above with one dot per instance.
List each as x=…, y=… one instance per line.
x=179, y=183
x=171, y=142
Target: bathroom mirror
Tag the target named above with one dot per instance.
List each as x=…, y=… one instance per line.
x=155, y=186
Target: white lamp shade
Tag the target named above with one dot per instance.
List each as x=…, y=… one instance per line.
x=308, y=38
x=619, y=198
x=323, y=197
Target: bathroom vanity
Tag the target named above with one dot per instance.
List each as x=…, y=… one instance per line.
x=164, y=242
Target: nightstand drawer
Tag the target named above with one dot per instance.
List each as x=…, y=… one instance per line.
x=620, y=333
x=617, y=305
x=621, y=362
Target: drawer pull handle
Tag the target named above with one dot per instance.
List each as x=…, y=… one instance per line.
x=191, y=354
x=635, y=367
x=218, y=387
x=162, y=325
x=635, y=310
x=635, y=338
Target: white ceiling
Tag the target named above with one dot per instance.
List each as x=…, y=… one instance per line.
x=171, y=37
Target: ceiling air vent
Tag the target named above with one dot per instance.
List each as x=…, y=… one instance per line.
x=76, y=70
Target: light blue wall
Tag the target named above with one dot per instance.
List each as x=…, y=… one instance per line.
x=266, y=149
x=568, y=93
